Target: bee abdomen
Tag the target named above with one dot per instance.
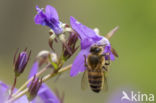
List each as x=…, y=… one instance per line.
x=95, y=82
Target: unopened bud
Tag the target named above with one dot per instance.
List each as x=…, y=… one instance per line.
x=21, y=61
x=71, y=44
x=34, y=88
x=43, y=57
x=54, y=57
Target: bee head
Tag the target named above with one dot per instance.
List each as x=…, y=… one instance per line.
x=96, y=49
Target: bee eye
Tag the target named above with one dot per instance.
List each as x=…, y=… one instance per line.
x=98, y=50
x=92, y=49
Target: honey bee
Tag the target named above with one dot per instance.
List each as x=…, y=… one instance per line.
x=97, y=67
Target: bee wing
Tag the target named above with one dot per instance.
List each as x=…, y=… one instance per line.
x=84, y=81
x=105, y=84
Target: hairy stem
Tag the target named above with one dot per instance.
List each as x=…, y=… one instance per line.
x=47, y=77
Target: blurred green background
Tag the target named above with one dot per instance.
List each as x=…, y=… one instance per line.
x=135, y=42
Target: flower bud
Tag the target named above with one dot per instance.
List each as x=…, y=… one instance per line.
x=34, y=88
x=71, y=43
x=43, y=57
x=54, y=57
x=21, y=61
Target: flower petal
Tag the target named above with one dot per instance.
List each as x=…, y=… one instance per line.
x=83, y=31
x=3, y=85
x=22, y=99
x=34, y=69
x=112, y=57
x=4, y=94
x=40, y=17
x=47, y=95
x=86, y=43
x=78, y=64
x=39, y=20
x=51, y=13
x=108, y=50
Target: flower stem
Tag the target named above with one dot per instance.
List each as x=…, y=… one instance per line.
x=28, y=81
x=13, y=86
x=47, y=77
x=18, y=95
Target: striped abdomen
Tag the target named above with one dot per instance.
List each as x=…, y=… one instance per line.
x=96, y=79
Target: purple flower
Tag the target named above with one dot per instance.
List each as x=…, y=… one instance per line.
x=21, y=61
x=34, y=69
x=47, y=96
x=88, y=38
x=4, y=94
x=49, y=18
x=42, y=95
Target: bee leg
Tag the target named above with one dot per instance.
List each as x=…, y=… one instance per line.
x=85, y=61
x=105, y=68
x=107, y=62
x=103, y=55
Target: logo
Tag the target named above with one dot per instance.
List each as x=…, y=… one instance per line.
x=137, y=97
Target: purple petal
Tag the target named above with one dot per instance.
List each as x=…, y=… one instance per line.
x=33, y=70
x=3, y=91
x=108, y=50
x=4, y=94
x=39, y=20
x=86, y=43
x=86, y=35
x=78, y=64
x=3, y=85
x=38, y=9
x=51, y=13
x=40, y=17
x=47, y=95
x=22, y=61
x=22, y=99
x=83, y=31
x=112, y=57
